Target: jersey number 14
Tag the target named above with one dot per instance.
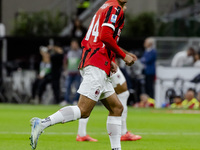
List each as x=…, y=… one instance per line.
x=94, y=29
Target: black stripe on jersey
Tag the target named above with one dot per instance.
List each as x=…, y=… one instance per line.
x=85, y=55
x=108, y=14
x=117, y=12
x=113, y=55
x=109, y=53
x=119, y=25
x=81, y=56
x=94, y=52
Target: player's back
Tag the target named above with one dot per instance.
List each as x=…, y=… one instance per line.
x=102, y=17
x=95, y=53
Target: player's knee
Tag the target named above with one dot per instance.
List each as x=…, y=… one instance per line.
x=121, y=108
x=125, y=109
x=85, y=113
x=117, y=111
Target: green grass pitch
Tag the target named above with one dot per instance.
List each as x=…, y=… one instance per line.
x=160, y=129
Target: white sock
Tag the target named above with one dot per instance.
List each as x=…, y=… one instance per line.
x=114, y=131
x=82, y=127
x=65, y=114
x=123, y=97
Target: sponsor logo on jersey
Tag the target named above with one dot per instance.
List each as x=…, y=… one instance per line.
x=113, y=18
x=116, y=9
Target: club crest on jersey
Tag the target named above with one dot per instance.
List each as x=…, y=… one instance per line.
x=113, y=18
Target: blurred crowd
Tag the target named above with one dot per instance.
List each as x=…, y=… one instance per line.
x=59, y=75
x=140, y=78
x=50, y=72
x=189, y=57
x=191, y=100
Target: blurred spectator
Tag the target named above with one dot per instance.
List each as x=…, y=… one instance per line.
x=71, y=62
x=145, y=101
x=44, y=76
x=198, y=96
x=183, y=58
x=149, y=61
x=177, y=102
x=190, y=101
x=123, y=68
x=78, y=30
x=197, y=59
x=56, y=54
x=134, y=78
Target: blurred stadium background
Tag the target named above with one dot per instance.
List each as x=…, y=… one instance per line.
x=27, y=25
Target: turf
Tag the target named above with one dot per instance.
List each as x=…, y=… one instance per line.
x=160, y=129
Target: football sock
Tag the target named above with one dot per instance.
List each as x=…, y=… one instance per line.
x=82, y=127
x=114, y=131
x=123, y=97
x=65, y=114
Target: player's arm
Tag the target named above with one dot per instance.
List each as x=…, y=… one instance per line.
x=113, y=16
x=132, y=55
x=106, y=36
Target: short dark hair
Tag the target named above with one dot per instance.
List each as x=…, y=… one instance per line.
x=74, y=40
x=192, y=90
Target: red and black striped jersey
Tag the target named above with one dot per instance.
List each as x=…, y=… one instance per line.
x=95, y=52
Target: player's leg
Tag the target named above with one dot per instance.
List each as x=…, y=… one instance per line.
x=120, y=85
x=123, y=97
x=82, y=134
x=65, y=114
x=115, y=109
x=92, y=87
x=82, y=126
x=70, y=113
x=126, y=135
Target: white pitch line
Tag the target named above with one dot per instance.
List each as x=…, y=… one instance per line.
x=104, y=133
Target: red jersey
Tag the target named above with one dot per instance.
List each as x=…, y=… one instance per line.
x=95, y=52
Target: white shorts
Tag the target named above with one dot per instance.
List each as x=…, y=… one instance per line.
x=95, y=85
x=117, y=78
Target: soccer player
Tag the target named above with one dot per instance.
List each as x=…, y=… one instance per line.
x=99, y=47
x=120, y=85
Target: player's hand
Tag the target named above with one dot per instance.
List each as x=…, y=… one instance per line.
x=134, y=56
x=129, y=60
x=113, y=67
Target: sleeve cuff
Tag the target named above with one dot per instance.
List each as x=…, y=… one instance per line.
x=109, y=25
x=123, y=55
